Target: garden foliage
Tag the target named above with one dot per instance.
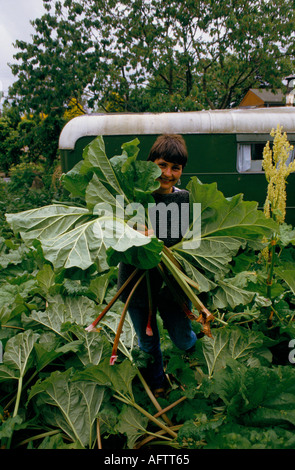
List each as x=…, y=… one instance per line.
x=58, y=389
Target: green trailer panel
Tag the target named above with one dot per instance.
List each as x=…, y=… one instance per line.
x=214, y=140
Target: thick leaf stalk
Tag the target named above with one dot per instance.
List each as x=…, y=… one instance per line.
x=205, y=317
x=120, y=326
x=92, y=326
x=270, y=270
x=149, y=330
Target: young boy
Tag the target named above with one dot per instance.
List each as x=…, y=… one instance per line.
x=169, y=217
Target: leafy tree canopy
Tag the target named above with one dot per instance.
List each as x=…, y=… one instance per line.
x=152, y=55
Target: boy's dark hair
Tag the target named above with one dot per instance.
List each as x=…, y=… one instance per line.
x=170, y=147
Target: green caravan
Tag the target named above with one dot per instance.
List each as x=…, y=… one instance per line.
x=225, y=146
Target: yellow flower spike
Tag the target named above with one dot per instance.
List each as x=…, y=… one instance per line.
x=276, y=170
x=276, y=173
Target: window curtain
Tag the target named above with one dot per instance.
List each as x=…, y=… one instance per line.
x=244, y=157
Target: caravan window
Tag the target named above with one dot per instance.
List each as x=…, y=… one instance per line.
x=250, y=154
x=249, y=157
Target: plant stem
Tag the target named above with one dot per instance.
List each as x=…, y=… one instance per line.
x=99, y=444
x=113, y=300
x=155, y=420
x=18, y=395
x=149, y=330
x=13, y=327
x=170, y=255
x=169, y=407
x=178, y=276
x=271, y=268
x=182, y=281
x=146, y=413
x=39, y=436
x=121, y=322
x=153, y=399
x=158, y=434
x=16, y=406
x=275, y=311
x=220, y=321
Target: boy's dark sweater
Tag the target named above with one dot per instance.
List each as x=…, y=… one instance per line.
x=176, y=227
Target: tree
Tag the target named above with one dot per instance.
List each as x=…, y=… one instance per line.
x=210, y=51
x=152, y=55
x=10, y=143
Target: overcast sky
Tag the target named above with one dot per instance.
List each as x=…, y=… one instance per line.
x=15, y=16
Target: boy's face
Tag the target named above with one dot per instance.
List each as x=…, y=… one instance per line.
x=171, y=172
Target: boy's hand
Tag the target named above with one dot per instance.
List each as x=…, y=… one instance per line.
x=142, y=229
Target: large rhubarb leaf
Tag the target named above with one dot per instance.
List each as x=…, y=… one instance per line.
x=96, y=193
x=74, y=182
x=234, y=343
x=80, y=237
x=77, y=310
x=46, y=223
x=288, y=275
x=128, y=337
x=226, y=224
x=18, y=350
x=133, y=424
x=256, y=396
x=137, y=179
x=72, y=236
x=95, y=160
x=229, y=294
x=144, y=257
x=118, y=378
x=94, y=348
x=71, y=406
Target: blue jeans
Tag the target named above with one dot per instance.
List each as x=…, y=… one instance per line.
x=177, y=324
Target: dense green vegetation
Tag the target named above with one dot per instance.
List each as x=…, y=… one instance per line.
x=58, y=389
x=139, y=56
x=145, y=56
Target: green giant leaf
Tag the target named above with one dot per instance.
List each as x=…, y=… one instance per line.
x=288, y=275
x=79, y=237
x=133, y=424
x=76, y=310
x=119, y=377
x=72, y=236
x=71, y=406
x=18, y=350
x=218, y=230
x=228, y=344
x=95, y=159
